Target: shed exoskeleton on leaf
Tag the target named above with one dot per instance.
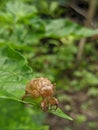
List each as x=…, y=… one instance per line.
x=42, y=87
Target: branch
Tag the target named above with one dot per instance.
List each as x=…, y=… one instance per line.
x=89, y=19
x=78, y=10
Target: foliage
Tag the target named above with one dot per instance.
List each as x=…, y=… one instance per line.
x=33, y=36
x=14, y=71
x=20, y=117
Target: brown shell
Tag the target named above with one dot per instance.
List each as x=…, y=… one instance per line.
x=40, y=87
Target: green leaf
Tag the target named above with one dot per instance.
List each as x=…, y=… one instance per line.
x=60, y=113
x=16, y=11
x=14, y=73
x=63, y=27
x=57, y=112
x=20, y=10
x=18, y=116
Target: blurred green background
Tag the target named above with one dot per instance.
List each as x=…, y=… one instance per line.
x=47, y=33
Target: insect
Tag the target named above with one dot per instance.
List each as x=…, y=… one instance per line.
x=42, y=87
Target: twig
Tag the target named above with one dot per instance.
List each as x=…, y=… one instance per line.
x=89, y=19
x=91, y=12
x=78, y=10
